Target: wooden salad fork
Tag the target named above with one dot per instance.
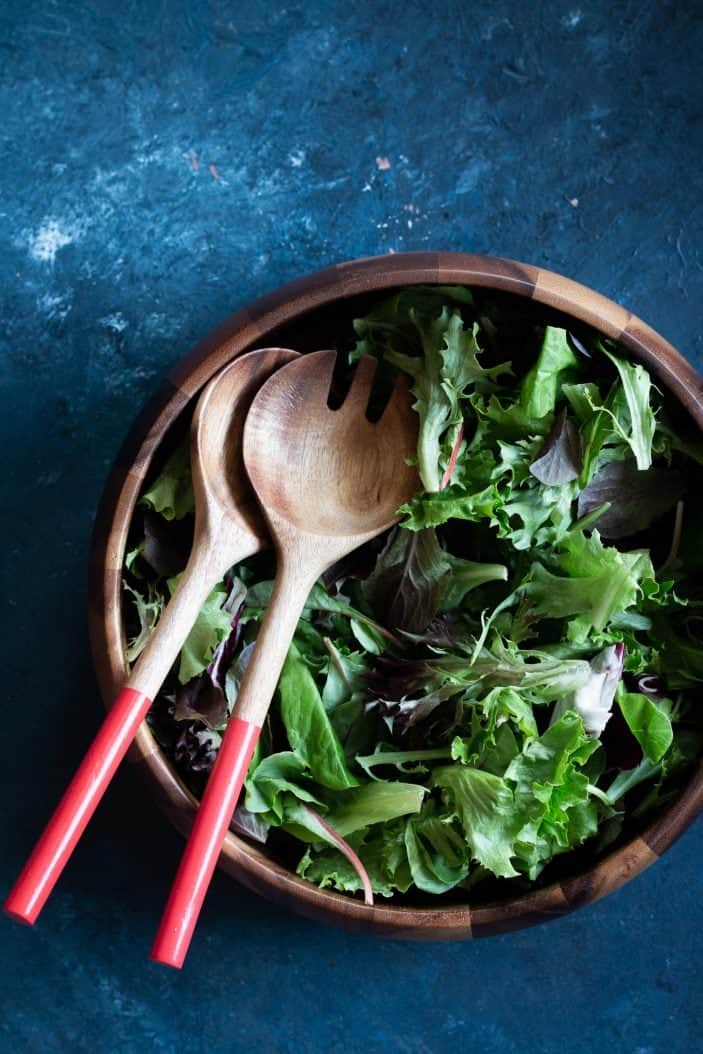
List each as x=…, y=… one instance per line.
x=327, y=480
x=228, y=528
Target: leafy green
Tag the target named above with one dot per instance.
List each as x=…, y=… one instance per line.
x=551, y=792
x=212, y=625
x=598, y=582
x=171, y=493
x=637, y=385
x=414, y=576
x=275, y=779
x=541, y=386
x=649, y=723
x=560, y=460
x=383, y=853
x=373, y=803
x=635, y=498
x=484, y=806
x=449, y=363
x=308, y=727
x=469, y=696
x=437, y=852
x=148, y=610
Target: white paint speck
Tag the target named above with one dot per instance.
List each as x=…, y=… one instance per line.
x=116, y=322
x=383, y=164
x=474, y=173
x=574, y=202
x=572, y=19
x=55, y=305
x=296, y=158
x=366, y=188
x=51, y=236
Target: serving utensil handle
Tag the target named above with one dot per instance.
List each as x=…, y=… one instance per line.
x=229, y=771
x=83, y=794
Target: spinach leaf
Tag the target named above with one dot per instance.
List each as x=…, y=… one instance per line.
x=308, y=727
x=541, y=387
x=649, y=723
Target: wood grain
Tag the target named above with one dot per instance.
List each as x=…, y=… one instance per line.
x=295, y=305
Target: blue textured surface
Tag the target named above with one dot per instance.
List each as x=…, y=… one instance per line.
x=568, y=135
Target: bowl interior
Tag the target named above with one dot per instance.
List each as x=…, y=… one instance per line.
x=270, y=868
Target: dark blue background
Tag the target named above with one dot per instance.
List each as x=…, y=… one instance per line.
x=565, y=134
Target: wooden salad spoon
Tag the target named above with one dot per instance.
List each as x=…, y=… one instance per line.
x=228, y=528
x=328, y=480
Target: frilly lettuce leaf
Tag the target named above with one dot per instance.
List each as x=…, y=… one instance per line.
x=484, y=806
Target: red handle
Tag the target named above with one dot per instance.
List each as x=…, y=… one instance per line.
x=205, y=842
x=81, y=798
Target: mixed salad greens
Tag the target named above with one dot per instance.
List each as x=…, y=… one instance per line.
x=508, y=673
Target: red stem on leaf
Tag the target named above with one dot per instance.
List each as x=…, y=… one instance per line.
x=452, y=460
x=347, y=851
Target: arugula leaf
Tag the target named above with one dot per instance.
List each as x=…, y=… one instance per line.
x=408, y=761
x=148, y=611
x=637, y=385
x=308, y=727
x=171, y=493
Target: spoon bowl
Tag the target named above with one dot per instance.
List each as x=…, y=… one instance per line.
x=330, y=472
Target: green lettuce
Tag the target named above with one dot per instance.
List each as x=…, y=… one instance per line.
x=171, y=493
x=508, y=674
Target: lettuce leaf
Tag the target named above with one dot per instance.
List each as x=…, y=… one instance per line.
x=414, y=577
x=551, y=793
x=485, y=808
x=212, y=626
x=598, y=582
x=637, y=385
x=541, y=387
x=171, y=493
x=649, y=723
x=308, y=727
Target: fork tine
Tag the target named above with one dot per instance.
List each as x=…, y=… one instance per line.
x=364, y=374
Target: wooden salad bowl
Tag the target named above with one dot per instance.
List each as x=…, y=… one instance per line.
x=305, y=314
